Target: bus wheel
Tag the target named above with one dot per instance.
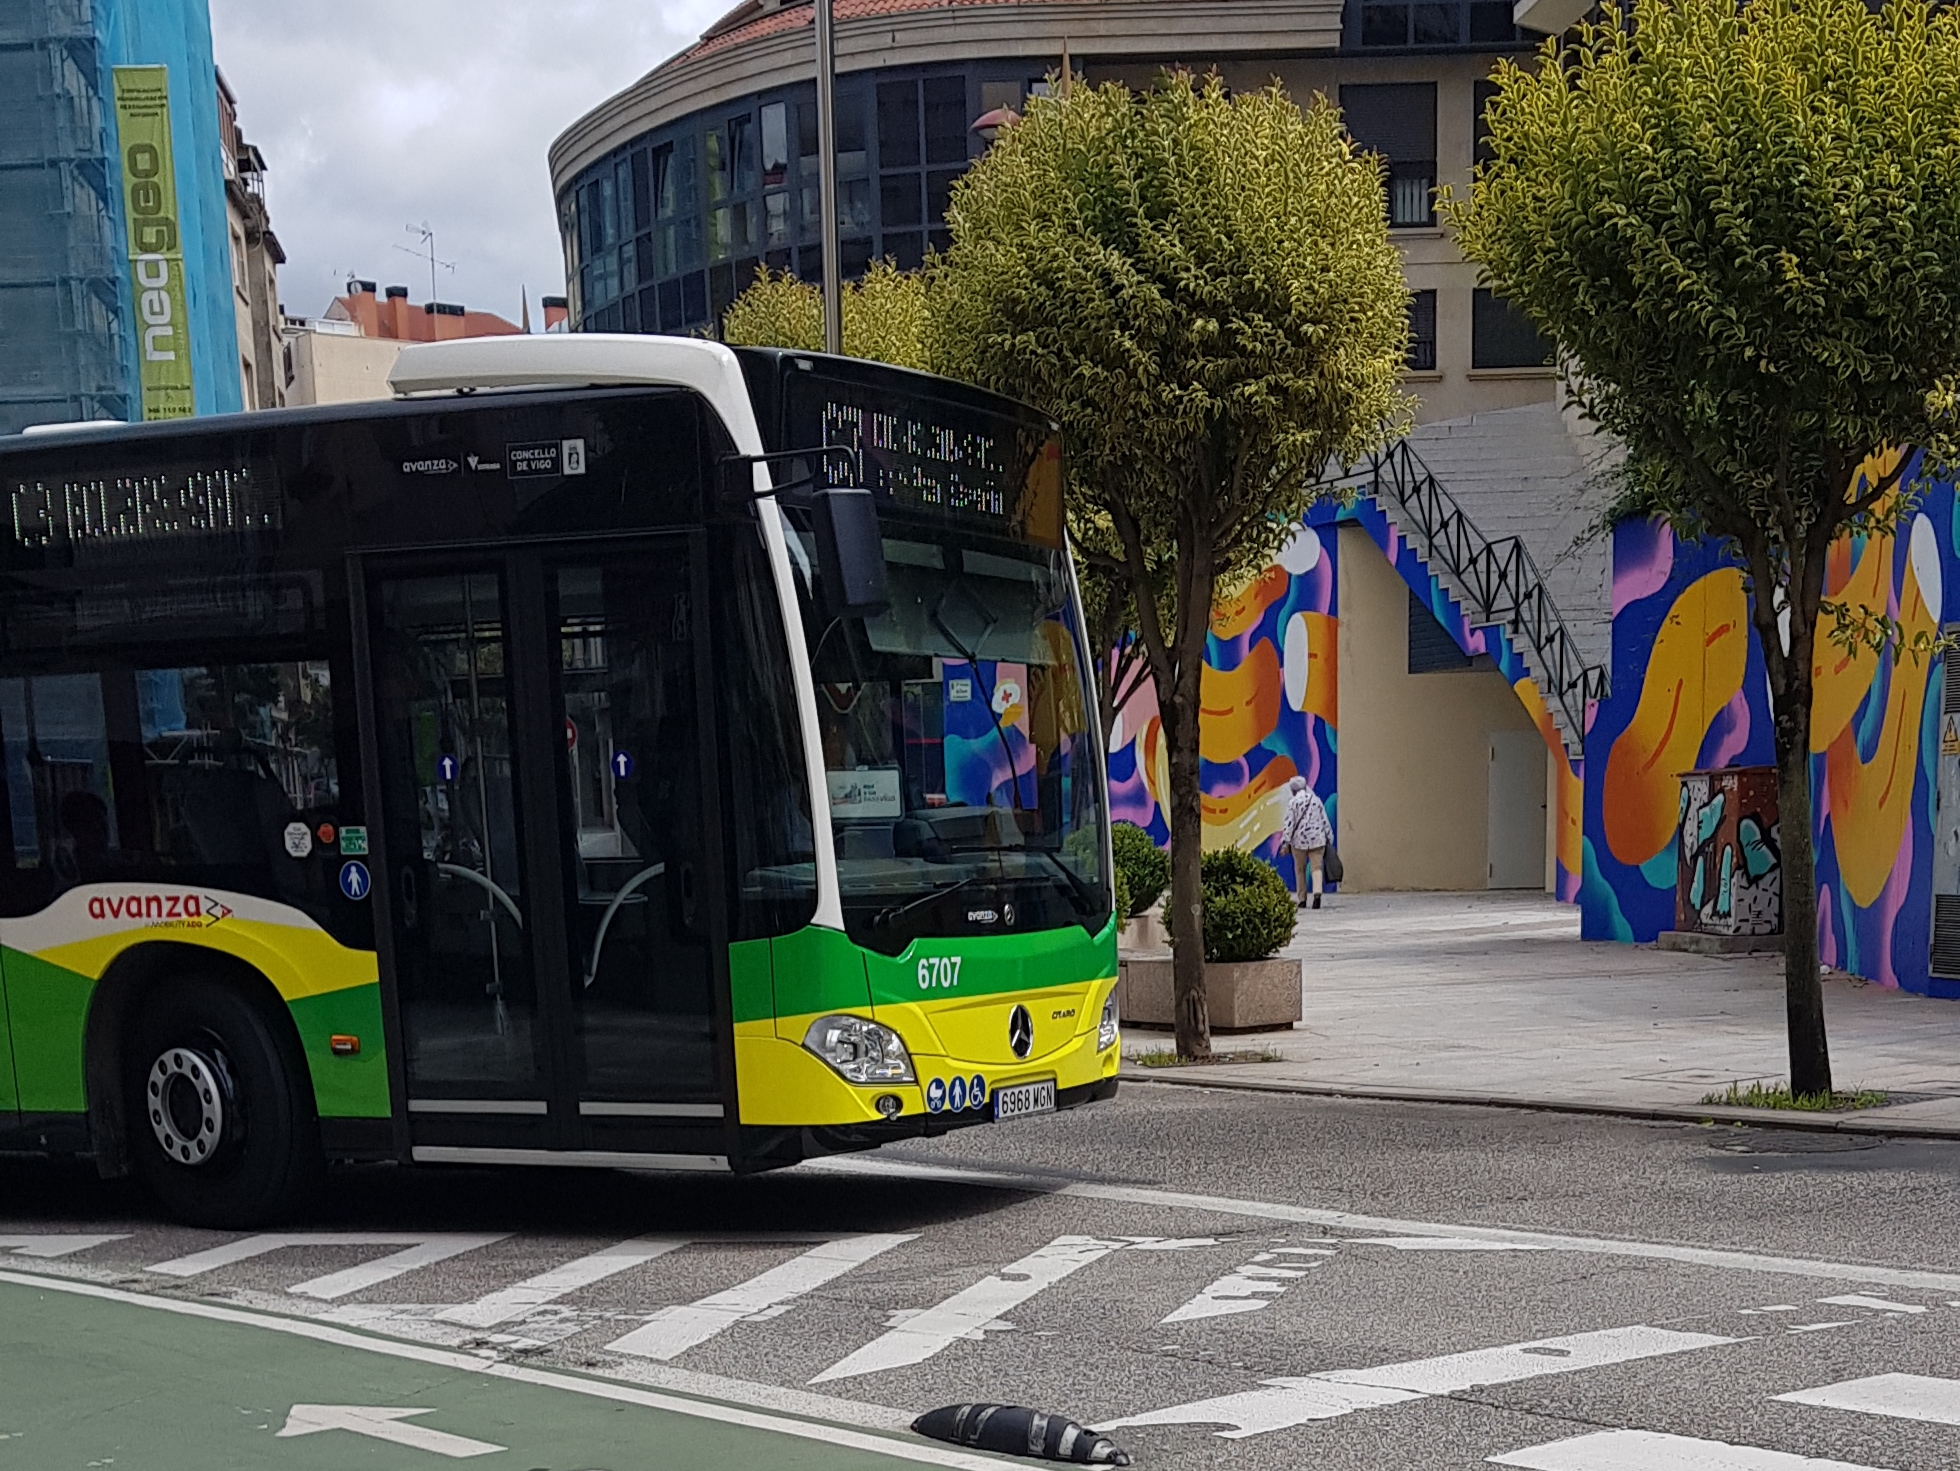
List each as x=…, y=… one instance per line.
x=220, y=1114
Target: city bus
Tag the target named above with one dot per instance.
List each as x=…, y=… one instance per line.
x=609, y=751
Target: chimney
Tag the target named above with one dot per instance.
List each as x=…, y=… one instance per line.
x=555, y=312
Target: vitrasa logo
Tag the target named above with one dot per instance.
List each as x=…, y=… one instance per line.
x=197, y=910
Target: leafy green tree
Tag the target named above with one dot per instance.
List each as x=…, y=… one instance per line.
x=1200, y=288
x=1742, y=225
x=884, y=315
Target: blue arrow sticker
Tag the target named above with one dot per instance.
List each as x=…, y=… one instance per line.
x=354, y=880
x=445, y=768
x=935, y=1095
x=622, y=765
x=976, y=1091
x=956, y=1094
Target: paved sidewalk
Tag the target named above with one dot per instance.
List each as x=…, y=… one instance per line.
x=1494, y=998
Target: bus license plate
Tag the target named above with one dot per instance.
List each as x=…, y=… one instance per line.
x=1024, y=1100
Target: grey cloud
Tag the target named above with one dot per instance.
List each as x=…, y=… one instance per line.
x=372, y=115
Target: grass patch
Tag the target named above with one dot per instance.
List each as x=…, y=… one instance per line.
x=1167, y=1057
x=1778, y=1095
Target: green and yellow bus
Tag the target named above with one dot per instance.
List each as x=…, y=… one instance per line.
x=609, y=751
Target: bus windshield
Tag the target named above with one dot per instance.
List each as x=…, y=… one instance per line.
x=965, y=793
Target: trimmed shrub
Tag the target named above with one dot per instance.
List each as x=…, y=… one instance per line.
x=1248, y=909
x=1122, y=897
x=1143, y=869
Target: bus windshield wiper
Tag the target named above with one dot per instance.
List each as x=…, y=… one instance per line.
x=894, y=911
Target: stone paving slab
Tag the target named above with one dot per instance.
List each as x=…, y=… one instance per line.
x=1494, y=998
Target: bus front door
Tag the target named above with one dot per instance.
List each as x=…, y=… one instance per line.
x=549, y=850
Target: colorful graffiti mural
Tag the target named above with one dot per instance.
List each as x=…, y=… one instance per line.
x=1270, y=699
x=1689, y=692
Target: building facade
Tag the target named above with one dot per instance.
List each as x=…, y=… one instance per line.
x=346, y=353
x=671, y=194
x=69, y=321
x=255, y=260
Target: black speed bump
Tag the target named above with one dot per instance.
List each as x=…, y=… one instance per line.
x=1016, y=1430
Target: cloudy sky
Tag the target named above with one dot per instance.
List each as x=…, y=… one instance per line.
x=374, y=114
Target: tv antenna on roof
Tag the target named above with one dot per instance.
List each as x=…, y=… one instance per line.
x=427, y=252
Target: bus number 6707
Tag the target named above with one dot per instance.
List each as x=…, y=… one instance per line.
x=942, y=971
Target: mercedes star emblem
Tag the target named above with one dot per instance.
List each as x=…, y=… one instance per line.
x=1020, y=1031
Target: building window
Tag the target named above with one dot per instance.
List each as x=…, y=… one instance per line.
x=741, y=152
x=1431, y=23
x=1501, y=336
x=1482, y=93
x=1422, y=331
x=1398, y=122
x=775, y=144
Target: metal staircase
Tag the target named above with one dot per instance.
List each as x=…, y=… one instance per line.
x=1496, y=582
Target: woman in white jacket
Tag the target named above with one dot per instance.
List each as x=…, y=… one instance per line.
x=1307, y=832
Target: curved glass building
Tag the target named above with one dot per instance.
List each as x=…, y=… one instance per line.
x=671, y=193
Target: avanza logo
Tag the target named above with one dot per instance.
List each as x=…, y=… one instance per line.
x=198, y=909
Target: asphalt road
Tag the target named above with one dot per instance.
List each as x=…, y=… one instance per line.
x=1217, y=1279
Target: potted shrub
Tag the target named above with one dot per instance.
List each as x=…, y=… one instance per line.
x=1249, y=915
x=1143, y=871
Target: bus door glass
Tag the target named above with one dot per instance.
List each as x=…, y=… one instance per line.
x=634, y=833
x=460, y=900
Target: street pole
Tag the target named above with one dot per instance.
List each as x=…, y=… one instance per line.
x=833, y=318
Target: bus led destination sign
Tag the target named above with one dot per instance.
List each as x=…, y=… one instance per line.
x=140, y=508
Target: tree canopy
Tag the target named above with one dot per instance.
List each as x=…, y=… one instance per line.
x=1742, y=225
x=1200, y=288
x=884, y=315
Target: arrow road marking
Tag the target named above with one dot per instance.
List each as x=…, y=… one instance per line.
x=965, y=1313
x=1282, y=1403
x=379, y=1422
x=672, y=1331
x=535, y=1292
x=46, y=1246
x=423, y=1250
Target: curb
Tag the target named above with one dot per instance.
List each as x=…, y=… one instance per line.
x=1768, y=1118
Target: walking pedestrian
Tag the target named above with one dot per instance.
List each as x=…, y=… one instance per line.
x=1306, y=831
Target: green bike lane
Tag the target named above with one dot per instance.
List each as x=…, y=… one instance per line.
x=94, y=1377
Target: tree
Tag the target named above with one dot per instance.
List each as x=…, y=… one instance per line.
x=1743, y=228
x=884, y=315
x=1200, y=288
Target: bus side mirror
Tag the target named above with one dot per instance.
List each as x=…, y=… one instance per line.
x=850, y=553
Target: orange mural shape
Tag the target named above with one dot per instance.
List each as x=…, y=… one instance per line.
x=1841, y=677
x=1247, y=817
x=1871, y=801
x=1323, y=696
x=1239, y=708
x=1234, y=615
x=1696, y=667
x=1570, y=827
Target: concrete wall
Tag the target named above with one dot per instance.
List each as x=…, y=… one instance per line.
x=329, y=368
x=1414, y=748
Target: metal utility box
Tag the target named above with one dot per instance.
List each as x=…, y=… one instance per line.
x=1728, y=874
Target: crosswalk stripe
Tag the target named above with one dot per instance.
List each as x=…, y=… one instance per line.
x=1876, y=1304
x=1900, y=1396
x=422, y=1249
x=968, y=1311
x=1250, y=1287
x=47, y=1246
x=1279, y=1404
x=672, y=1331
x=535, y=1292
x=1647, y=1450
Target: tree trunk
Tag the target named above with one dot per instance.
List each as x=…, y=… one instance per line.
x=1810, y=1053
x=1180, y=718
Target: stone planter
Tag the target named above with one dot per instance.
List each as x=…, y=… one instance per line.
x=1242, y=995
x=1144, y=934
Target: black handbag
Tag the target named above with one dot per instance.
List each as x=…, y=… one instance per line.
x=1332, y=865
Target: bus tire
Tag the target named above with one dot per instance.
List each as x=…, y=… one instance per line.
x=220, y=1115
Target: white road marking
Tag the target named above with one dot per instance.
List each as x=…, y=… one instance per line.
x=966, y=1312
x=379, y=1422
x=546, y=1287
x=1876, y=1304
x=1900, y=1396
x=422, y=1250
x=672, y=1331
x=48, y=1246
x=1820, y=1327
x=1446, y=1243
x=699, y=1409
x=1646, y=1450
x=1281, y=1403
x=1246, y=1290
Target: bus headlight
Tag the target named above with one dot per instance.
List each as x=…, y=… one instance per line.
x=1106, y=1028
x=862, y=1051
